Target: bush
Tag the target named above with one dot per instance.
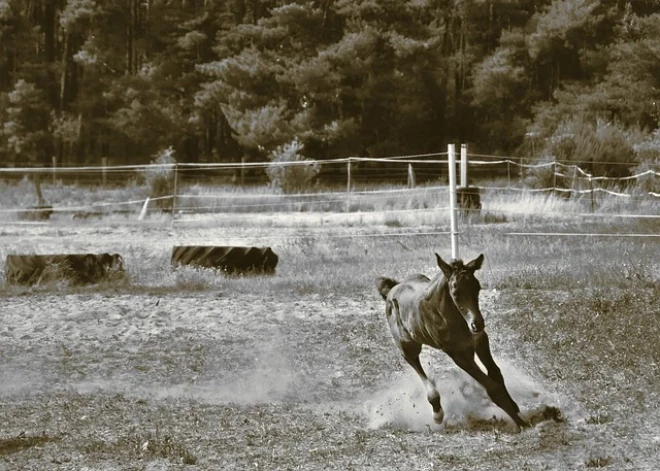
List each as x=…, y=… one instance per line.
x=542, y=177
x=160, y=178
x=603, y=149
x=292, y=178
x=648, y=154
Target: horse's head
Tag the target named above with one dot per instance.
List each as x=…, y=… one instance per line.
x=464, y=289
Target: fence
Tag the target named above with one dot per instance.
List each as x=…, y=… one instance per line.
x=358, y=185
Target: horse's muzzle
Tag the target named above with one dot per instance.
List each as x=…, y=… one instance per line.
x=476, y=325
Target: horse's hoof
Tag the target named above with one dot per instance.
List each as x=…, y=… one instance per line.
x=439, y=416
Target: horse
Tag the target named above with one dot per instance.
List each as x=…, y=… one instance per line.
x=443, y=313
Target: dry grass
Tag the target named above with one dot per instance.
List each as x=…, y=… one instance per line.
x=190, y=370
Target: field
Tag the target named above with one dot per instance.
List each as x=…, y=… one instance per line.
x=191, y=370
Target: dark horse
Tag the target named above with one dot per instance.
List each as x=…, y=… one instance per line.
x=444, y=313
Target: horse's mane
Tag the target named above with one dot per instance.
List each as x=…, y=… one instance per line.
x=457, y=264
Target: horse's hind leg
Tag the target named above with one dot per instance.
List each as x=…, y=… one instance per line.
x=411, y=351
x=482, y=348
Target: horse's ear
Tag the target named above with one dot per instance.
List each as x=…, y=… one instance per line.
x=444, y=266
x=475, y=264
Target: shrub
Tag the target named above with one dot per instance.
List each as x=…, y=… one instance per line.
x=648, y=154
x=600, y=148
x=160, y=178
x=295, y=177
x=541, y=177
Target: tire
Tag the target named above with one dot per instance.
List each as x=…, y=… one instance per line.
x=231, y=260
x=36, y=213
x=468, y=198
x=81, y=269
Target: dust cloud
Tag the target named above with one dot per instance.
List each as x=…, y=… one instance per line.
x=269, y=378
x=402, y=405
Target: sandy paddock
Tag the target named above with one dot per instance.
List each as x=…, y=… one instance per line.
x=218, y=380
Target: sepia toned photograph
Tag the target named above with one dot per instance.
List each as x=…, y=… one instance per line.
x=368, y=235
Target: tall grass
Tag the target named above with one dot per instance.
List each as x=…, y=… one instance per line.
x=193, y=200
x=335, y=242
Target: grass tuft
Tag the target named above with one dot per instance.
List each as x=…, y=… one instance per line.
x=157, y=445
x=598, y=462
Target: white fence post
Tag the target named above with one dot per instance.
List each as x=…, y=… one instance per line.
x=175, y=190
x=143, y=212
x=348, y=185
x=411, y=176
x=464, y=166
x=451, y=152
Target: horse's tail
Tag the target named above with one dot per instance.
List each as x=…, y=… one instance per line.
x=385, y=285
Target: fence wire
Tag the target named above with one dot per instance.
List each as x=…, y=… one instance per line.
x=190, y=198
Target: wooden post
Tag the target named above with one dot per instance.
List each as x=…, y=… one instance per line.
x=451, y=152
x=508, y=174
x=242, y=172
x=104, y=170
x=348, y=185
x=464, y=166
x=591, y=186
x=575, y=167
x=54, y=169
x=554, y=178
x=411, y=176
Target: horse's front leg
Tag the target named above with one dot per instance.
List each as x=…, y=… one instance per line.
x=496, y=390
x=411, y=351
x=482, y=348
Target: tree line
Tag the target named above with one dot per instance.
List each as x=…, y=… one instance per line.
x=225, y=80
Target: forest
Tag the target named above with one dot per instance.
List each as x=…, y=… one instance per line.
x=225, y=80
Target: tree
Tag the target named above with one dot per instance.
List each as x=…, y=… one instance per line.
x=25, y=129
x=502, y=94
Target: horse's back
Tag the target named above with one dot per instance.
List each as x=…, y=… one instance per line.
x=410, y=288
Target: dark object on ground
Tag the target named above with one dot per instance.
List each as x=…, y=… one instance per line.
x=36, y=213
x=468, y=199
x=80, y=269
x=231, y=260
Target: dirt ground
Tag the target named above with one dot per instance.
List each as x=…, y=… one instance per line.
x=215, y=380
x=145, y=382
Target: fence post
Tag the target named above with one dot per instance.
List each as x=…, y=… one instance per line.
x=174, y=190
x=554, y=178
x=508, y=173
x=348, y=185
x=464, y=166
x=575, y=167
x=104, y=170
x=242, y=171
x=411, y=176
x=451, y=152
x=591, y=186
x=54, y=169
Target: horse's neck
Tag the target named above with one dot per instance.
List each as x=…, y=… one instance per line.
x=438, y=291
x=438, y=295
